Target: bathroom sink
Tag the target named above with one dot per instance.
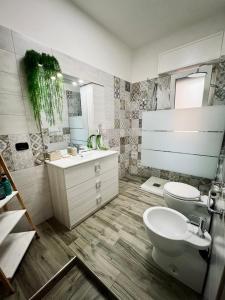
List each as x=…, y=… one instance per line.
x=81, y=158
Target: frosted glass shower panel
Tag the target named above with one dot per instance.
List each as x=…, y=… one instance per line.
x=184, y=140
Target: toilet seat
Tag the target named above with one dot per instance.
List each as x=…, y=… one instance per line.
x=182, y=191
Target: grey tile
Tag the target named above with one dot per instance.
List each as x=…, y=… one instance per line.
x=6, y=42
x=66, y=130
x=21, y=159
x=117, y=123
x=36, y=143
x=122, y=104
x=8, y=62
x=6, y=152
x=127, y=86
x=37, y=148
x=116, y=87
x=122, y=141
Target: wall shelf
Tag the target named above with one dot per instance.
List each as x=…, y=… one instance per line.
x=8, y=220
x=3, y=202
x=13, y=246
x=12, y=251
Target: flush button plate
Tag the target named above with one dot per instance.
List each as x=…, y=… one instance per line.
x=21, y=146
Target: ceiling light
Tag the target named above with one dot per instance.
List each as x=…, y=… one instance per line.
x=80, y=81
x=59, y=75
x=74, y=83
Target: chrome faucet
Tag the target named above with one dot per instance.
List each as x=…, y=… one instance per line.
x=213, y=196
x=202, y=222
x=202, y=227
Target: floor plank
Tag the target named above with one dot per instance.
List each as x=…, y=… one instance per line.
x=75, y=285
x=112, y=243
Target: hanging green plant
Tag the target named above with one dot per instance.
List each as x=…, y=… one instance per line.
x=45, y=85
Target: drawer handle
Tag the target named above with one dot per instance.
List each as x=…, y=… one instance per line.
x=98, y=184
x=99, y=199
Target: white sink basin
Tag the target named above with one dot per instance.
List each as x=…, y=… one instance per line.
x=80, y=158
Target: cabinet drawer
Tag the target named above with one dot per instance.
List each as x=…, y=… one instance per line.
x=108, y=163
x=83, y=205
x=109, y=190
x=91, y=194
x=79, y=174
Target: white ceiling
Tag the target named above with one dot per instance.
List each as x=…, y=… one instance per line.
x=138, y=22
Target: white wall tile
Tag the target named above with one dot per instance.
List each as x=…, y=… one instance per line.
x=10, y=124
x=106, y=79
x=32, y=124
x=8, y=62
x=33, y=184
x=6, y=42
x=23, y=43
x=11, y=104
x=69, y=65
x=9, y=83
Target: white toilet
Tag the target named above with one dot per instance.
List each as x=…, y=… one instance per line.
x=176, y=245
x=186, y=199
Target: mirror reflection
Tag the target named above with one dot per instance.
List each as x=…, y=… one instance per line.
x=83, y=100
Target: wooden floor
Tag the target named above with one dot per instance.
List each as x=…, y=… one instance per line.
x=75, y=285
x=112, y=243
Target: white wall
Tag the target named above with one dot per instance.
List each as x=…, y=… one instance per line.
x=62, y=26
x=145, y=59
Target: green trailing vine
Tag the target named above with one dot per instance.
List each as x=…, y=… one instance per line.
x=45, y=85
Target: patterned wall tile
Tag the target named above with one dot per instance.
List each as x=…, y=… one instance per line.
x=135, y=92
x=127, y=86
x=37, y=148
x=36, y=143
x=220, y=84
x=116, y=87
x=6, y=152
x=21, y=159
x=163, y=92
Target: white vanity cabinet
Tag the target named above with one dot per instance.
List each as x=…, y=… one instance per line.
x=81, y=185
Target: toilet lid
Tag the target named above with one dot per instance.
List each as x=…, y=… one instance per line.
x=182, y=190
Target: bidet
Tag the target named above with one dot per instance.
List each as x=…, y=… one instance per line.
x=176, y=244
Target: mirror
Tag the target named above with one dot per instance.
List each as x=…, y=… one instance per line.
x=77, y=111
x=83, y=115
x=85, y=101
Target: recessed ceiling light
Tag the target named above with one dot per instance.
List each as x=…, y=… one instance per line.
x=74, y=83
x=59, y=75
x=80, y=81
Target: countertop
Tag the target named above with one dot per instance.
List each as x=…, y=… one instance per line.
x=85, y=157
